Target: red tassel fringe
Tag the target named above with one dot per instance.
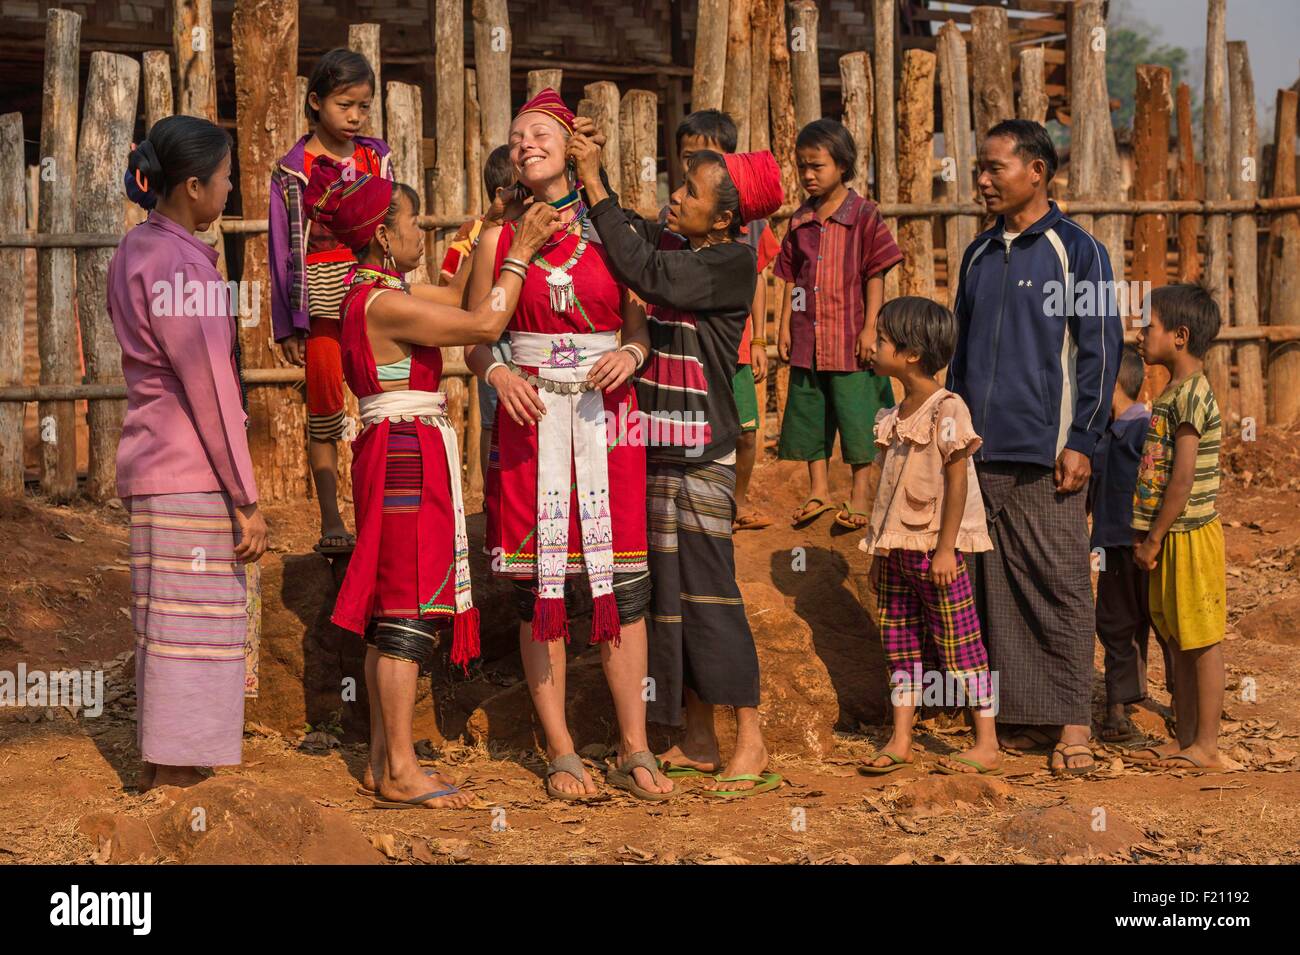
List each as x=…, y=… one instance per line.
x=550, y=620
x=605, y=627
x=464, y=638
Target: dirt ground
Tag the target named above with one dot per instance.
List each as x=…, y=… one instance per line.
x=67, y=783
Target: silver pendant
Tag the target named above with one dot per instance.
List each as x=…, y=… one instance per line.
x=560, y=286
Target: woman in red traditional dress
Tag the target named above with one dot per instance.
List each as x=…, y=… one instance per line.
x=409, y=574
x=564, y=494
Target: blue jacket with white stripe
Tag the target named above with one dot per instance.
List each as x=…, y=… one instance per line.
x=1039, y=339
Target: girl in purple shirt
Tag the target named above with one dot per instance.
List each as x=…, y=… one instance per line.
x=183, y=467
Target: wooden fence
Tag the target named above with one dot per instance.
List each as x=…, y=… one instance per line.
x=1183, y=219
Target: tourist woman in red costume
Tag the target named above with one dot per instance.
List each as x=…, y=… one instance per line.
x=563, y=495
x=409, y=574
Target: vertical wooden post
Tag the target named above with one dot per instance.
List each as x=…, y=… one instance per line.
x=804, y=66
x=539, y=80
x=1094, y=159
x=604, y=99
x=781, y=103
x=959, y=143
x=474, y=197
x=760, y=64
x=157, y=87
x=363, y=38
x=855, y=81
x=300, y=124
x=112, y=93
x=1218, y=358
x=492, y=46
x=736, y=83
x=1188, y=184
x=405, y=120
x=886, y=150
x=265, y=43
x=13, y=218
x=55, y=318
x=1151, y=183
x=991, y=60
x=916, y=173
x=707, y=83
x=449, y=130
x=1243, y=177
x=194, y=43
x=1284, y=268
x=638, y=123
x=1033, y=89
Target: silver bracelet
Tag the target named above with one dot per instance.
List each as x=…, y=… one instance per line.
x=635, y=350
x=515, y=270
x=493, y=367
x=519, y=262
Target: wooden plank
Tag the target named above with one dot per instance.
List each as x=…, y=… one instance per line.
x=405, y=120
x=805, y=70
x=449, y=131
x=959, y=143
x=112, y=94
x=709, y=77
x=604, y=99
x=1151, y=182
x=916, y=178
x=539, y=80
x=638, y=125
x=1283, y=267
x=855, y=73
x=13, y=312
x=1218, y=358
x=194, y=44
x=1033, y=92
x=55, y=321
x=991, y=68
x=886, y=150
x=364, y=38
x=1187, y=185
x=760, y=68
x=474, y=156
x=493, y=45
x=265, y=46
x=1243, y=163
x=781, y=102
x=736, y=84
x=157, y=87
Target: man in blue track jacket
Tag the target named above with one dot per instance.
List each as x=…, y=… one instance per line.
x=1037, y=355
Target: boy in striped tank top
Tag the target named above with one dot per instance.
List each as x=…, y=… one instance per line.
x=309, y=265
x=1179, y=538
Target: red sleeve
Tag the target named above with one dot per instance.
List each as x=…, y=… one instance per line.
x=880, y=252
x=768, y=246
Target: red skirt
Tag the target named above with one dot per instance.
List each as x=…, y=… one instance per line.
x=510, y=497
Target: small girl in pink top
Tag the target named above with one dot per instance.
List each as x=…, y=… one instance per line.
x=927, y=514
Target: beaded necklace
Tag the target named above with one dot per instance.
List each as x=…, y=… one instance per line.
x=364, y=273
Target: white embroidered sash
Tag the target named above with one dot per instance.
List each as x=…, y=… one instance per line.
x=572, y=428
x=429, y=407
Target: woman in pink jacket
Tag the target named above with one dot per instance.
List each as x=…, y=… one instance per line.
x=183, y=467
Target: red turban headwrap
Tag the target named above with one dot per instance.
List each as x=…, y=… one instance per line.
x=348, y=202
x=758, y=181
x=548, y=101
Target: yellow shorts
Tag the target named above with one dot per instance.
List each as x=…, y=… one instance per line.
x=1188, y=598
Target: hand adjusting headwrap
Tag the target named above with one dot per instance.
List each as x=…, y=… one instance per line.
x=348, y=202
x=757, y=178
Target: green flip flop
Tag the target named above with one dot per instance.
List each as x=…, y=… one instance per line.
x=684, y=772
x=762, y=784
x=980, y=768
x=805, y=516
x=896, y=763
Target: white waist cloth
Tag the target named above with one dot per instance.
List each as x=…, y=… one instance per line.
x=573, y=429
x=563, y=357
x=402, y=406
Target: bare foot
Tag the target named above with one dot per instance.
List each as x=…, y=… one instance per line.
x=565, y=782
x=1193, y=757
x=747, y=760
x=691, y=756
x=181, y=776
x=413, y=783
x=899, y=746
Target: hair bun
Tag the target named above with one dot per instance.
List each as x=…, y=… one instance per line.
x=143, y=175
